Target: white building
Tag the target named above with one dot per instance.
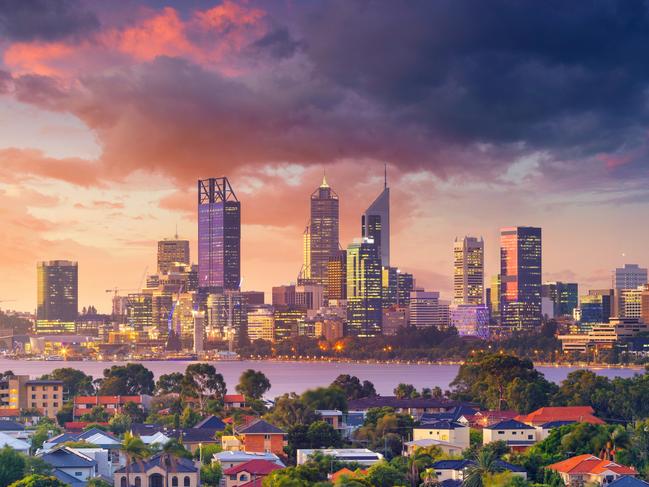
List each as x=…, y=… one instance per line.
x=630, y=276
x=362, y=456
x=447, y=431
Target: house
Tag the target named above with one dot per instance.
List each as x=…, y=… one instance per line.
x=248, y=472
x=111, y=404
x=362, y=456
x=588, y=469
x=454, y=470
x=459, y=414
x=160, y=470
x=211, y=422
x=9, y=413
x=229, y=459
x=333, y=417
x=230, y=443
x=71, y=462
x=409, y=447
x=573, y=414
x=192, y=438
x=234, y=401
x=79, y=426
x=344, y=423
x=628, y=481
x=451, y=432
x=95, y=437
x=482, y=419
x=14, y=443
x=518, y=436
x=14, y=429
x=261, y=436
x=415, y=407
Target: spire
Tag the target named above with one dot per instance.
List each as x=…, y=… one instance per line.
x=385, y=175
x=324, y=180
x=176, y=235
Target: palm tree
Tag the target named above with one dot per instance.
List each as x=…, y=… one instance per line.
x=419, y=460
x=134, y=450
x=618, y=439
x=429, y=477
x=485, y=462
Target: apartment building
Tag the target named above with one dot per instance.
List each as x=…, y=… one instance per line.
x=19, y=392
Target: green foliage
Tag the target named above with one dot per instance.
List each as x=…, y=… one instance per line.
x=65, y=414
x=96, y=415
x=189, y=418
x=38, y=481
x=500, y=381
x=169, y=383
x=253, y=384
x=36, y=465
x=207, y=452
x=202, y=381
x=290, y=410
x=403, y=391
x=75, y=382
x=126, y=380
x=176, y=448
x=382, y=474
x=325, y=398
x=98, y=482
x=12, y=465
x=44, y=430
x=353, y=388
x=211, y=474
x=486, y=464
x=120, y=423
x=134, y=411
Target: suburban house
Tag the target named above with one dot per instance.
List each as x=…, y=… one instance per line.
x=628, y=481
x=518, y=436
x=344, y=423
x=204, y=433
x=409, y=447
x=455, y=469
x=261, y=436
x=19, y=445
x=482, y=419
x=71, y=463
x=569, y=414
x=14, y=429
x=160, y=470
x=229, y=459
x=7, y=414
x=415, y=407
x=588, y=469
x=234, y=401
x=451, y=432
x=248, y=472
x=362, y=456
x=102, y=439
x=111, y=404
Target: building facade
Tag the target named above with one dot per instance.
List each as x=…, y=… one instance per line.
x=364, y=289
x=57, y=296
x=468, y=271
x=375, y=224
x=630, y=276
x=563, y=295
x=172, y=252
x=322, y=234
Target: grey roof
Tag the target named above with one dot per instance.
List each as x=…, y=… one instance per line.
x=452, y=415
x=441, y=425
x=188, y=434
x=510, y=424
x=211, y=422
x=556, y=424
x=197, y=434
x=259, y=427
x=38, y=382
x=166, y=462
x=6, y=425
x=62, y=438
x=62, y=458
x=628, y=481
x=67, y=478
x=462, y=464
x=94, y=431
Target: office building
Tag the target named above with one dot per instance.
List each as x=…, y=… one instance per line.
x=331, y=328
x=172, y=252
x=394, y=319
x=261, y=323
x=199, y=331
x=309, y=297
x=607, y=297
x=470, y=319
x=424, y=309
x=493, y=300
x=644, y=307
x=336, y=287
x=520, y=274
x=405, y=285
x=254, y=298
x=468, y=271
x=390, y=287
x=321, y=237
x=631, y=276
x=57, y=296
x=227, y=316
x=627, y=303
x=288, y=321
x=284, y=295
x=564, y=297
x=375, y=223
x=139, y=311
x=364, y=289
x=219, y=236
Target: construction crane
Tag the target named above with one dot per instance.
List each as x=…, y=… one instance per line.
x=117, y=290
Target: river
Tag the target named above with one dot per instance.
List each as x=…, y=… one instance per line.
x=300, y=376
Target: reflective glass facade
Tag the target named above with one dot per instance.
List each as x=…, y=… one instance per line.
x=468, y=271
x=364, y=289
x=375, y=224
x=321, y=239
x=57, y=292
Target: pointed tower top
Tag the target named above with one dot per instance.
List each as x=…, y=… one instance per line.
x=324, y=180
x=176, y=235
x=385, y=175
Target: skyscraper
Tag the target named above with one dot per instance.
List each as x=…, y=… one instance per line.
x=57, y=296
x=364, y=288
x=321, y=237
x=219, y=235
x=336, y=287
x=629, y=277
x=376, y=223
x=520, y=271
x=172, y=252
x=564, y=296
x=424, y=309
x=468, y=275
x=405, y=285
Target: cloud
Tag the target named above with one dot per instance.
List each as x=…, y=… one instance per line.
x=18, y=164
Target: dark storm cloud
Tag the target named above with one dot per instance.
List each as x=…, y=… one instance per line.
x=25, y=20
x=278, y=43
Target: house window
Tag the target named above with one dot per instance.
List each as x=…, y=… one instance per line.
x=56, y=404
x=186, y=481
x=56, y=388
x=501, y=432
x=78, y=474
x=266, y=437
x=138, y=482
x=243, y=477
x=33, y=396
x=122, y=483
x=44, y=396
x=513, y=432
x=174, y=481
x=529, y=437
x=55, y=396
x=33, y=405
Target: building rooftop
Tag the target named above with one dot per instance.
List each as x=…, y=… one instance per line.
x=509, y=424
x=580, y=414
x=462, y=464
x=628, y=481
x=242, y=456
x=254, y=467
x=229, y=398
x=6, y=425
x=211, y=422
x=404, y=403
x=590, y=464
x=67, y=458
x=181, y=465
x=441, y=425
x=259, y=427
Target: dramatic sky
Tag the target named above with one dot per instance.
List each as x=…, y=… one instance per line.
x=488, y=113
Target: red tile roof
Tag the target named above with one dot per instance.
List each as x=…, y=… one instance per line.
x=9, y=412
x=590, y=464
x=80, y=425
x=229, y=398
x=581, y=414
x=101, y=400
x=258, y=482
x=346, y=472
x=253, y=467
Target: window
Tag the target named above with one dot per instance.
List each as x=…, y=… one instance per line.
x=501, y=432
x=138, y=482
x=243, y=477
x=122, y=483
x=186, y=481
x=266, y=437
x=44, y=404
x=44, y=396
x=513, y=432
x=56, y=404
x=55, y=396
x=33, y=405
x=530, y=437
x=174, y=481
x=33, y=396
x=78, y=474
x=33, y=388
x=56, y=388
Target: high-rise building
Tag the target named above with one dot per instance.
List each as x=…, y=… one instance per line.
x=607, y=298
x=171, y=253
x=493, y=300
x=199, y=331
x=405, y=285
x=375, y=223
x=364, y=289
x=628, y=302
x=631, y=276
x=322, y=235
x=254, y=298
x=394, y=319
x=336, y=287
x=563, y=295
x=284, y=295
x=227, y=316
x=644, y=307
x=468, y=274
x=219, y=236
x=520, y=274
x=261, y=323
x=57, y=296
x=390, y=287
x=424, y=309
x=287, y=322
x=470, y=319
x=309, y=297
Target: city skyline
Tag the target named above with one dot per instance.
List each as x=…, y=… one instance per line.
x=267, y=98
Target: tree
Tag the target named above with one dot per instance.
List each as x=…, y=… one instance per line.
x=189, y=418
x=211, y=474
x=75, y=382
x=44, y=430
x=403, y=391
x=12, y=465
x=65, y=414
x=96, y=415
x=134, y=411
x=176, y=448
x=202, y=381
x=206, y=452
x=353, y=388
x=429, y=477
x=382, y=474
x=126, y=380
x=322, y=435
x=169, y=383
x=120, y=423
x=253, y=384
x=39, y=481
x=418, y=461
x=291, y=410
x=325, y=398
x=134, y=450
x=36, y=465
x=485, y=463
x=98, y=482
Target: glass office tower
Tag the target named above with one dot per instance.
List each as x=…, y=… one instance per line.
x=322, y=235
x=375, y=224
x=57, y=296
x=364, y=288
x=468, y=271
